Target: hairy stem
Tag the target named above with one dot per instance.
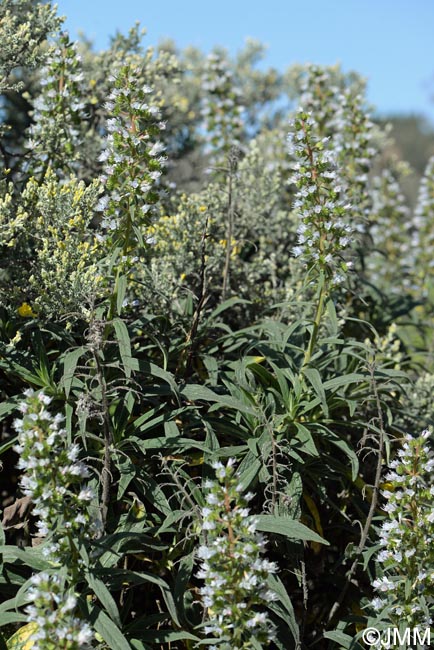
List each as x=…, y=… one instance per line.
x=319, y=312
x=106, y=475
x=233, y=162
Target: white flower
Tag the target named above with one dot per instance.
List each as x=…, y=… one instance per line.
x=69, y=604
x=377, y=603
x=226, y=502
x=85, y=635
x=86, y=494
x=383, y=584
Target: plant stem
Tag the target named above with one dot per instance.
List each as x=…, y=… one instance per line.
x=233, y=162
x=108, y=440
x=319, y=312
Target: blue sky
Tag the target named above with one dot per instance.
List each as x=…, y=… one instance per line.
x=390, y=42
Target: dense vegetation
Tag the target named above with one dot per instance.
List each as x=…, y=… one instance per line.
x=216, y=353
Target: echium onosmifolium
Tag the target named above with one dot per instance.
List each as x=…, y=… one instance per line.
x=55, y=136
x=406, y=585
x=354, y=132
x=423, y=228
x=338, y=105
x=133, y=158
x=234, y=572
x=222, y=106
x=425, y=200
x=55, y=480
x=354, y=143
x=52, y=613
x=390, y=231
x=324, y=233
x=320, y=89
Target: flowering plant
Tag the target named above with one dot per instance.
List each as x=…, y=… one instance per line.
x=178, y=300
x=405, y=586
x=54, y=479
x=234, y=573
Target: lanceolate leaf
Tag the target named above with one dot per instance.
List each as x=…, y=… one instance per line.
x=109, y=631
x=288, y=528
x=69, y=366
x=283, y=606
x=123, y=338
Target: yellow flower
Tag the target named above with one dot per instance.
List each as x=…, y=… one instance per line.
x=26, y=311
x=202, y=208
x=235, y=247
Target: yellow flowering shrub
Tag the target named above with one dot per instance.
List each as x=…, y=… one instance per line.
x=52, y=236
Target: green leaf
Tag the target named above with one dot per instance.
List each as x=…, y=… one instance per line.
x=148, y=421
x=196, y=392
x=343, y=446
x=20, y=599
x=171, y=429
x=104, y=597
x=288, y=527
x=314, y=378
x=6, y=618
x=155, y=495
x=141, y=577
x=123, y=338
x=139, y=645
x=107, y=629
x=248, y=470
x=305, y=437
x=331, y=311
x=7, y=407
x=70, y=361
x=155, y=371
x=27, y=375
x=283, y=382
x=344, y=640
x=344, y=380
x=31, y=557
x=288, y=615
x=121, y=288
x=181, y=582
x=127, y=471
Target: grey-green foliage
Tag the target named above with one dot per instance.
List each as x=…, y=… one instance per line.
x=24, y=28
x=261, y=235
x=53, y=253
